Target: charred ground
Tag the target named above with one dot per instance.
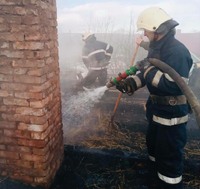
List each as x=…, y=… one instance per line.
x=104, y=155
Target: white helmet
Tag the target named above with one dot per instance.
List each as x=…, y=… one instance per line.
x=86, y=35
x=151, y=18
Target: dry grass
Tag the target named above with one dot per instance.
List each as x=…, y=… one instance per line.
x=105, y=134
x=114, y=137
x=110, y=135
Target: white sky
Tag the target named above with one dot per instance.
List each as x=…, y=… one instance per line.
x=78, y=16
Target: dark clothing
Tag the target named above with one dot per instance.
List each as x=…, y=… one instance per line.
x=166, y=135
x=96, y=56
x=92, y=75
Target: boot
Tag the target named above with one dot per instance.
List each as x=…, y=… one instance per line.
x=165, y=185
x=152, y=177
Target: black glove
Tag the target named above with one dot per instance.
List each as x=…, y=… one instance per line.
x=126, y=86
x=142, y=65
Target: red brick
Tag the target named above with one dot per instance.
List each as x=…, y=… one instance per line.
x=32, y=143
x=5, y=2
x=11, y=53
x=2, y=20
x=4, y=45
x=7, y=125
x=36, y=72
x=19, y=10
x=9, y=155
x=42, y=135
x=16, y=117
x=22, y=178
x=29, y=79
x=42, y=54
x=7, y=109
x=2, y=147
x=6, y=70
x=30, y=20
x=29, y=95
x=15, y=101
x=22, y=134
x=39, y=88
x=4, y=77
x=21, y=163
x=8, y=140
x=42, y=103
x=4, y=93
x=31, y=111
x=38, y=120
x=20, y=71
x=14, y=86
x=33, y=36
x=4, y=28
x=14, y=37
x=28, y=63
x=33, y=157
x=28, y=45
x=39, y=165
x=38, y=129
x=3, y=161
x=16, y=148
x=40, y=151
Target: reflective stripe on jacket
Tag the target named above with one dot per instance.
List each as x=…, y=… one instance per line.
x=96, y=54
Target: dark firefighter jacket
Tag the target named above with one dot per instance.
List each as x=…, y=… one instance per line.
x=176, y=55
x=96, y=54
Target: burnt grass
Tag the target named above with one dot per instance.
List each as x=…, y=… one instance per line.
x=83, y=169
x=117, y=158
x=94, y=168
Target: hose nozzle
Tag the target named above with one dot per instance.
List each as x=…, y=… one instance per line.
x=124, y=75
x=110, y=84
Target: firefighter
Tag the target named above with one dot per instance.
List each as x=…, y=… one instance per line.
x=166, y=108
x=96, y=56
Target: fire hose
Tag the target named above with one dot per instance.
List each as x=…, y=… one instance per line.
x=191, y=98
x=186, y=90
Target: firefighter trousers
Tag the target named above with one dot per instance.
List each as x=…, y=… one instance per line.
x=165, y=146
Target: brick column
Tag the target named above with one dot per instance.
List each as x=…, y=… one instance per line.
x=31, y=137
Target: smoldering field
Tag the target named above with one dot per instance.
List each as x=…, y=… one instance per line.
x=82, y=112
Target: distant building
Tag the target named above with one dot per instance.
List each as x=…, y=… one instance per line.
x=191, y=40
